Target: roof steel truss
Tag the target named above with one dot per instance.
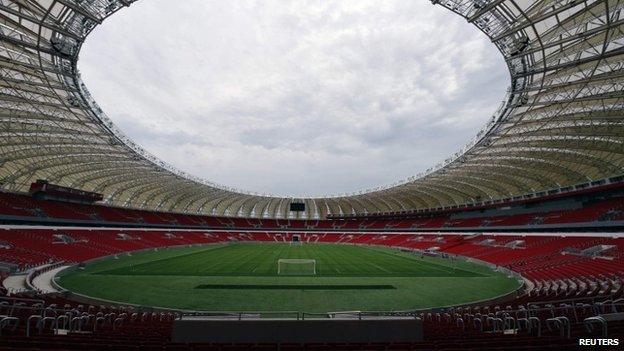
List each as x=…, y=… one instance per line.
x=562, y=122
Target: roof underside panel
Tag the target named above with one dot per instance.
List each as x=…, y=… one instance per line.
x=562, y=122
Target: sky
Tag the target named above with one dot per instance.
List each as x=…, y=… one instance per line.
x=297, y=97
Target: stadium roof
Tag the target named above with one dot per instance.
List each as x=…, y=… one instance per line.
x=562, y=122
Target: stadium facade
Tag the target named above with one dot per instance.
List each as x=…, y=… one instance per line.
x=561, y=125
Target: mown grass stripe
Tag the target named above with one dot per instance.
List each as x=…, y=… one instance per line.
x=243, y=260
x=169, y=277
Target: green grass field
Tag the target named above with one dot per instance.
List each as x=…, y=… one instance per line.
x=244, y=277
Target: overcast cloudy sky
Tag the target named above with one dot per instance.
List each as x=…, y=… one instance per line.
x=295, y=96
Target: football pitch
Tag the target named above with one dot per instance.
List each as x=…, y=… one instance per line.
x=244, y=277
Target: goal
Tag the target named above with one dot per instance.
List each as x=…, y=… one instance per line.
x=296, y=266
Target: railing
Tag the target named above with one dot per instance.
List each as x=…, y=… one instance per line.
x=296, y=315
x=39, y=271
x=574, y=308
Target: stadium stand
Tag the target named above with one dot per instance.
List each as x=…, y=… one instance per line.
x=566, y=291
x=589, y=210
x=574, y=281
x=539, y=192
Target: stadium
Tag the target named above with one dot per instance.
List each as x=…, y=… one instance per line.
x=512, y=243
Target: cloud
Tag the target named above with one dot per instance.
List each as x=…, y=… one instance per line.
x=298, y=97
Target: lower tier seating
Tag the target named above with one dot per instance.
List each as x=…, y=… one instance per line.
x=566, y=291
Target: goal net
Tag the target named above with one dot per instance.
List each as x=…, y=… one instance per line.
x=296, y=266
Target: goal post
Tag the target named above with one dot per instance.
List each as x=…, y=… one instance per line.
x=296, y=266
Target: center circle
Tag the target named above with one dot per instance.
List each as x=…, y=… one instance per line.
x=287, y=276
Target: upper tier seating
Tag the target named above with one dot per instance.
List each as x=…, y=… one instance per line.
x=16, y=206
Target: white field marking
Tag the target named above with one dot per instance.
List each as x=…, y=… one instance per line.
x=383, y=269
x=338, y=270
x=437, y=266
